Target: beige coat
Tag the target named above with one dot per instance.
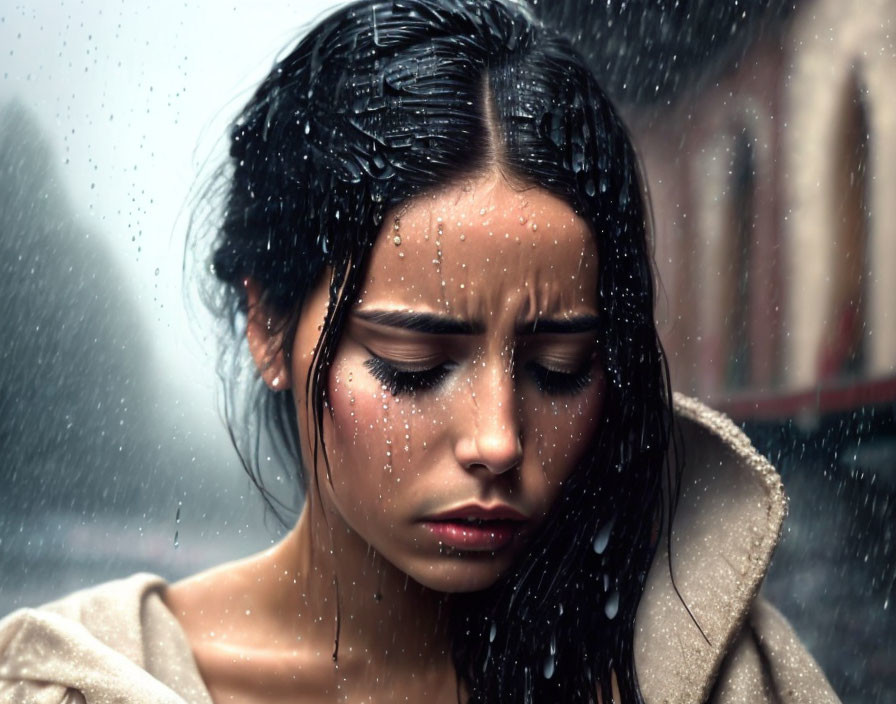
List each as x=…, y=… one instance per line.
x=118, y=643
x=729, y=521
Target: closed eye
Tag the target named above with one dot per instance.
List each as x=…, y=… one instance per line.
x=398, y=381
x=560, y=383
x=403, y=381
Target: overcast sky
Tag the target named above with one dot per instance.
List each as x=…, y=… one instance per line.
x=135, y=100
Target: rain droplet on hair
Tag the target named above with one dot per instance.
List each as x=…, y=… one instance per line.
x=611, y=607
x=548, y=668
x=602, y=539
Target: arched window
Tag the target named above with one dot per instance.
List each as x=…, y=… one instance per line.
x=844, y=348
x=742, y=226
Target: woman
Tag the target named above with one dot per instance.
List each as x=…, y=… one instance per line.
x=435, y=245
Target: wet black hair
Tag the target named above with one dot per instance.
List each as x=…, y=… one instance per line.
x=385, y=100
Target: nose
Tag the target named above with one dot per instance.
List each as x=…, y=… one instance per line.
x=491, y=435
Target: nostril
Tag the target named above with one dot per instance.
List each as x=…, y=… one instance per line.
x=496, y=450
x=500, y=452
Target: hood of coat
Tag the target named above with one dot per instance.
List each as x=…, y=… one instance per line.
x=729, y=517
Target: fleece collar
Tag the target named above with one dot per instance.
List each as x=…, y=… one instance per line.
x=730, y=512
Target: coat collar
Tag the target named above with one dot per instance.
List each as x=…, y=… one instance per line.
x=730, y=512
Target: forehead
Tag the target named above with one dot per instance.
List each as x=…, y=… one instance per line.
x=484, y=247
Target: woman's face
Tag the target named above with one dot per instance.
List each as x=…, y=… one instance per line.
x=466, y=386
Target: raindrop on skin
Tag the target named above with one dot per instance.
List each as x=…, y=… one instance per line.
x=396, y=238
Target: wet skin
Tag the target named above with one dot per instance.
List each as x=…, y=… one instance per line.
x=465, y=386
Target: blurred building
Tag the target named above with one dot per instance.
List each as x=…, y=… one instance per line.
x=773, y=181
x=774, y=194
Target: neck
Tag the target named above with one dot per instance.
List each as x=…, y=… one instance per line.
x=350, y=600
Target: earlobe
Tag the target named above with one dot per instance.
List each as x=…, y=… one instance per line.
x=265, y=341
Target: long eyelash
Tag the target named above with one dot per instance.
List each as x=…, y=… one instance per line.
x=398, y=381
x=556, y=383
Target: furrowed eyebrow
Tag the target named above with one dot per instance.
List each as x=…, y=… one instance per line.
x=429, y=323
x=435, y=324
x=573, y=324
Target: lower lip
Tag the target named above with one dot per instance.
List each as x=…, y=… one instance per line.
x=470, y=536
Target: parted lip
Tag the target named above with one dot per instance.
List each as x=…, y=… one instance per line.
x=495, y=512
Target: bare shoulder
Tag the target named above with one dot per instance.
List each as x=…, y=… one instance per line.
x=245, y=646
x=219, y=603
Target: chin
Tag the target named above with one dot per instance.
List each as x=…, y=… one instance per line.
x=460, y=574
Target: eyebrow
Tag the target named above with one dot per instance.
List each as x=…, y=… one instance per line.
x=436, y=324
x=571, y=325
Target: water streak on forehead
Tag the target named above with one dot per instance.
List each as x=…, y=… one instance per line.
x=482, y=251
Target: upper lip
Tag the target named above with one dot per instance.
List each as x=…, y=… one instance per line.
x=495, y=512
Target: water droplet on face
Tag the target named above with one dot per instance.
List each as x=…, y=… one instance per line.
x=396, y=240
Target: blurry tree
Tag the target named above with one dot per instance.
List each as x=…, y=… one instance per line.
x=73, y=415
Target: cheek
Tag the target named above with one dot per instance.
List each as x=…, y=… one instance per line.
x=370, y=441
x=564, y=428
x=360, y=434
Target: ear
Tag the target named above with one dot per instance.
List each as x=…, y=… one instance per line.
x=265, y=341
